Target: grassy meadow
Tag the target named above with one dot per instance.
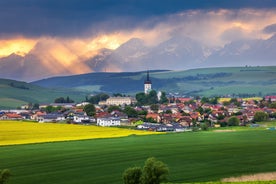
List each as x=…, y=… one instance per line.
x=192, y=157
x=16, y=93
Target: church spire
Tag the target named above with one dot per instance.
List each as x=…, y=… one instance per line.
x=148, y=79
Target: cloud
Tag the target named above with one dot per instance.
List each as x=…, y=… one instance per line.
x=215, y=27
x=18, y=45
x=233, y=34
x=69, y=51
x=67, y=18
x=271, y=29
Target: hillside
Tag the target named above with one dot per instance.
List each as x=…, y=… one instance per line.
x=206, y=81
x=15, y=93
x=240, y=81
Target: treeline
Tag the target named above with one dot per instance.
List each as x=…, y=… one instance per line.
x=64, y=100
x=22, y=86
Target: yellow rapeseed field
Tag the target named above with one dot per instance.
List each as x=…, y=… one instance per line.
x=221, y=100
x=15, y=132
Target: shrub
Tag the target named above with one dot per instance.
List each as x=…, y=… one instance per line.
x=233, y=121
x=153, y=172
x=4, y=176
x=132, y=175
x=260, y=116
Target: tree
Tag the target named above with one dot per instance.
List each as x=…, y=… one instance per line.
x=200, y=110
x=63, y=100
x=132, y=175
x=132, y=113
x=118, y=95
x=142, y=113
x=113, y=108
x=147, y=99
x=154, y=172
x=214, y=101
x=233, y=121
x=204, y=126
x=35, y=106
x=272, y=115
x=99, y=97
x=235, y=101
x=141, y=98
x=204, y=100
x=154, y=107
x=50, y=109
x=90, y=109
x=260, y=116
x=273, y=105
x=163, y=98
x=152, y=97
x=4, y=176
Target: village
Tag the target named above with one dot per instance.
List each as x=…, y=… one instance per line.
x=165, y=113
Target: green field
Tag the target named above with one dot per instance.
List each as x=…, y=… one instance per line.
x=15, y=93
x=191, y=157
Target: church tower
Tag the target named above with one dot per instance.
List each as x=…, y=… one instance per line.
x=147, y=84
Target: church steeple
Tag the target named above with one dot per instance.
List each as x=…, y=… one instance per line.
x=147, y=84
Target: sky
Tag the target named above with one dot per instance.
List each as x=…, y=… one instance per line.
x=74, y=30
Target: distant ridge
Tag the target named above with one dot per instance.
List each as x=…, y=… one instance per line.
x=204, y=81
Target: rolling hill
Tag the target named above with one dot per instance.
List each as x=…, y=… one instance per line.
x=15, y=93
x=257, y=81
x=234, y=81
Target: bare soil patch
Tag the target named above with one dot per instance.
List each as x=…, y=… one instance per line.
x=224, y=130
x=252, y=177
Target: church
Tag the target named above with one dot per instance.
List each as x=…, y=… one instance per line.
x=147, y=84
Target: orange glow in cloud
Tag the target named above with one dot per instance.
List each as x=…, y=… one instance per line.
x=69, y=55
x=19, y=46
x=111, y=41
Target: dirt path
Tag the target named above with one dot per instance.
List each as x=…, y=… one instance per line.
x=252, y=177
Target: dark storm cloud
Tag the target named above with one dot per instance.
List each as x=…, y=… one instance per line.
x=75, y=17
x=270, y=29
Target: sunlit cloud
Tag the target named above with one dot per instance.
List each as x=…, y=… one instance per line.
x=19, y=46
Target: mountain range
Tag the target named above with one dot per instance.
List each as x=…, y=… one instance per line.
x=177, y=53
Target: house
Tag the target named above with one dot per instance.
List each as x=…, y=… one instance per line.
x=118, y=101
x=173, y=127
x=270, y=98
x=166, y=118
x=154, y=116
x=109, y=121
x=185, y=121
x=148, y=126
x=64, y=105
x=11, y=116
x=36, y=116
x=81, y=119
x=183, y=100
x=52, y=117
